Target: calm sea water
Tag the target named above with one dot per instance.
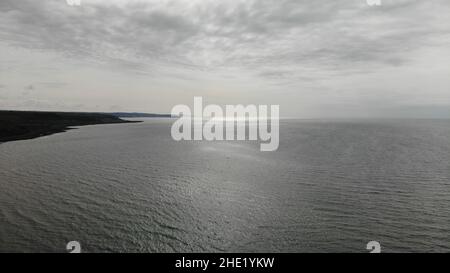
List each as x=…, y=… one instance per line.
x=332, y=186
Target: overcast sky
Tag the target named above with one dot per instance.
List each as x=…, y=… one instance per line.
x=315, y=58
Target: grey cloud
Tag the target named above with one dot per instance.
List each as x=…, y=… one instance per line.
x=275, y=74
x=249, y=34
x=52, y=84
x=358, y=36
x=29, y=87
x=305, y=50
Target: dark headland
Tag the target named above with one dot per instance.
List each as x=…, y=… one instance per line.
x=20, y=125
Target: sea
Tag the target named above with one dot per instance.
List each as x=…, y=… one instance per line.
x=332, y=186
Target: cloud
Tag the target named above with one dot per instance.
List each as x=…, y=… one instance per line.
x=29, y=87
x=210, y=34
x=52, y=85
x=295, y=42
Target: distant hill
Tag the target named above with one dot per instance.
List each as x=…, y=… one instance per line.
x=139, y=115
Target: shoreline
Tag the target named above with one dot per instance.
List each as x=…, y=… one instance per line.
x=24, y=125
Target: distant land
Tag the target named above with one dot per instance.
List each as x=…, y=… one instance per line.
x=21, y=125
x=138, y=115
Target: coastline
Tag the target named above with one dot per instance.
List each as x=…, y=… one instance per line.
x=23, y=125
